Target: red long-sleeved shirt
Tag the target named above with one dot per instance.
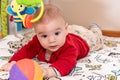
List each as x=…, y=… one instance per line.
x=64, y=60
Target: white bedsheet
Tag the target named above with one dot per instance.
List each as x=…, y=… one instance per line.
x=99, y=65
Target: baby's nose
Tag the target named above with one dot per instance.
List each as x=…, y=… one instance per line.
x=52, y=39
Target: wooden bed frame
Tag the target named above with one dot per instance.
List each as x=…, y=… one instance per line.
x=111, y=33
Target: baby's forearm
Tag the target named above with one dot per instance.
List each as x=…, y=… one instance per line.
x=49, y=72
x=8, y=66
x=13, y=62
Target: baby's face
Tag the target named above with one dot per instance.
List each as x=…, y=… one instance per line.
x=51, y=36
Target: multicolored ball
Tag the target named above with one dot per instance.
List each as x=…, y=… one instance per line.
x=26, y=69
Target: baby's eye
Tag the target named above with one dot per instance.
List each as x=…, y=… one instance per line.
x=57, y=33
x=44, y=36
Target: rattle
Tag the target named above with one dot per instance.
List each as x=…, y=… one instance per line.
x=28, y=20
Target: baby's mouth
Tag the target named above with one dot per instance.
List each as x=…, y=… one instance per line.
x=53, y=47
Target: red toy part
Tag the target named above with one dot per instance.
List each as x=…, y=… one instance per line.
x=27, y=21
x=11, y=18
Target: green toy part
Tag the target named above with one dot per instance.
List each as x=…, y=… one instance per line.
x=29, y=3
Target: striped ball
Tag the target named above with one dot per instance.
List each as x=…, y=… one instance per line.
x=26, y=69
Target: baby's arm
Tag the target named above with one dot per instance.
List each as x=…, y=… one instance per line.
x=8, y=66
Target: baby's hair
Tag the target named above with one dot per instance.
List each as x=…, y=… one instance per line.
x=51, y=12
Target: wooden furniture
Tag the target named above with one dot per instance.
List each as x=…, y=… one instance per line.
x=111, y=33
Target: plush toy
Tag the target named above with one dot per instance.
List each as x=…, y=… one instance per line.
x=13, y=9
x=26, y=69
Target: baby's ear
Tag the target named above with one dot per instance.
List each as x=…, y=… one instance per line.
x=66, y=25
x=35, y=29
x=66, y=28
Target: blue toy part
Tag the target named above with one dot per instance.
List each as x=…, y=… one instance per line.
x=30, y=10
x=19, y=26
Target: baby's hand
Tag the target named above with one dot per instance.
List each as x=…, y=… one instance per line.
x=8, y=66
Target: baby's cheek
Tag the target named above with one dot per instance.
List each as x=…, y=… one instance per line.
x=44, y=43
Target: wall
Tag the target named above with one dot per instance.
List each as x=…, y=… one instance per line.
x=84, y=12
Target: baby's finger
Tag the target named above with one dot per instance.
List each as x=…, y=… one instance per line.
x=5, y=68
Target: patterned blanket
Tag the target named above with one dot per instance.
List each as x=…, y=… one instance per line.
x=98, y=65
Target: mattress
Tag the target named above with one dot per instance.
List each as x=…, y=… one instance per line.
x=103, y=64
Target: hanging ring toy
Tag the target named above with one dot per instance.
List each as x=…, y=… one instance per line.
x=28, y=19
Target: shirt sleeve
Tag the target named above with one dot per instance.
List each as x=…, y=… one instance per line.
x=27, y=51
x=66, y=61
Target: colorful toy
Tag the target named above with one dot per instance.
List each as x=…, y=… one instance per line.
x=13, y=9
x=28, y=19
x=26, y=69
